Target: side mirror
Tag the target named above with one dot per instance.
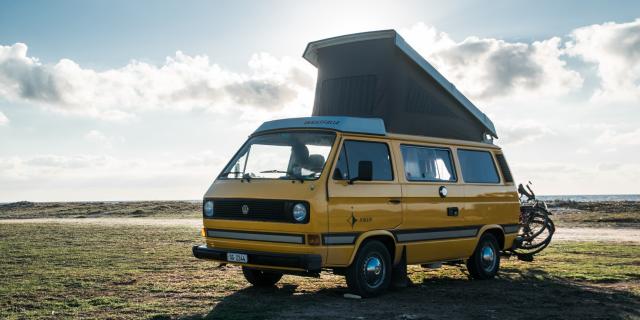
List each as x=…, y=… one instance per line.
x=365, y=171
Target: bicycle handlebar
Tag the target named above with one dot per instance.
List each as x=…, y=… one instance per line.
x=529, y=194
x=533, y=195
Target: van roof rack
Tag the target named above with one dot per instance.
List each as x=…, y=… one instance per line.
x=377, y=74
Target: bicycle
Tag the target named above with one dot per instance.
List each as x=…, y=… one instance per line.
x=537, y=227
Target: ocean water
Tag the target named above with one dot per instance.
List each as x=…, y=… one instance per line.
x=590, y=198
x=577, y=197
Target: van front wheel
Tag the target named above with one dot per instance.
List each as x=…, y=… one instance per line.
x=370, y=273
x=485, y=261
x=260, y=278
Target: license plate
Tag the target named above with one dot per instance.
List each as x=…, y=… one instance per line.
x=237, y=257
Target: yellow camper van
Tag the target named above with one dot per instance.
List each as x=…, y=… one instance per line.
x=394, y=167
x=340, y=193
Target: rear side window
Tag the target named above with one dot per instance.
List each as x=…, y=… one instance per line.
x=427, y=164
x=504, y=168
x=477, y=166
x=354, y=151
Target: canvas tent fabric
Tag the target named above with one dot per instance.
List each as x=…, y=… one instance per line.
x=377, y=74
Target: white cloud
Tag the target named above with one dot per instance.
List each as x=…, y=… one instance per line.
x=487, y=68
x=183, y=82
x=615, y=49
x=55, y=177
x=95, y=136
x=555, y=178
x=3, y=119
x=523, y=132
x=98, y=138
x=613, y=137
x=206, y=158
x=66, y=162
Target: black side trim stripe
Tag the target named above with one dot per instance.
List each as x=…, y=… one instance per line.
x=403, y=236
x=510, y=228
x=329, y=239
x=256, y=236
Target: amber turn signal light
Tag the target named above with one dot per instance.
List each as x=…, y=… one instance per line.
x=313, y=239
x=203, y=232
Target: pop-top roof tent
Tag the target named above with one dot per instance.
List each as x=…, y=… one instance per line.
x=378, y=75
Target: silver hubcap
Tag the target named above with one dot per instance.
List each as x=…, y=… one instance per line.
x=374, y=271
x=488, y=256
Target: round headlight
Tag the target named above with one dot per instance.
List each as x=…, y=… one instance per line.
x=299, y=212
x=208, y=208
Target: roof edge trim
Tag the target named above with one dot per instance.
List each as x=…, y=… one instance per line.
x=373, y=126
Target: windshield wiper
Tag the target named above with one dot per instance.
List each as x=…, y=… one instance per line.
x=289, y=173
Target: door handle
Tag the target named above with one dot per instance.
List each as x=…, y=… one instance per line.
x=453, y=211
x=395, y=201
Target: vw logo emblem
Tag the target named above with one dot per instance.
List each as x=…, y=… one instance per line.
x=245, y=209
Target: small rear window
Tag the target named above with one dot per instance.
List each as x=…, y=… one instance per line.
x=477, y=166
x=504, y=168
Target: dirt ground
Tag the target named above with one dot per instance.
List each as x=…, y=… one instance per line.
x=601, y=214
x=562, y=234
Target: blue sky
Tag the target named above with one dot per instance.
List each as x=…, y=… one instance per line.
x=103, y=34
x=148, y=99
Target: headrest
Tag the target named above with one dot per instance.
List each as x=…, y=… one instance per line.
x=315, y=162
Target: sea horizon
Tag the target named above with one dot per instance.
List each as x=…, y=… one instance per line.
x=572, y=197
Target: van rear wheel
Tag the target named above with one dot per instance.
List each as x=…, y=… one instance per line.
x=370, y=273
x=485, y=261
x=261, y=278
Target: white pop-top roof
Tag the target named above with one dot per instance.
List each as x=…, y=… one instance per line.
x=311, y=55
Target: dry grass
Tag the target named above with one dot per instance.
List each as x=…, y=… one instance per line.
x=117, y=209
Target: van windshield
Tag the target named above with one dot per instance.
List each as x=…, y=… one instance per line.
x=293, y=155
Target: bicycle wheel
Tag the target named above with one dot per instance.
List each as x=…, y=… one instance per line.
x=535, y=225
x=537, y=244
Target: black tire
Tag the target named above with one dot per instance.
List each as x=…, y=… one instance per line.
x=479, y=265
x=370, y=273
x=261, y=278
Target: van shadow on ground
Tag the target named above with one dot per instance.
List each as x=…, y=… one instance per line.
x=516, y=294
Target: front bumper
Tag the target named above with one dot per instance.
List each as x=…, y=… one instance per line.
x=306, y=262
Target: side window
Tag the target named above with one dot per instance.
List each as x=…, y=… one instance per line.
x=356, y=151
x=504, y=168
x=342, y=171
x=427, y=164
x=477, y=166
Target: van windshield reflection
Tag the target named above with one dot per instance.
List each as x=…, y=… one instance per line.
x=293, y=155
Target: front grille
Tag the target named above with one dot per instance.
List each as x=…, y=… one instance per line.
x=259, y=210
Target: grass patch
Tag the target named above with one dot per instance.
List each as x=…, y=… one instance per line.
x=613, y=214
x=571, y=218
x=116, y=209
x=124, y=272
